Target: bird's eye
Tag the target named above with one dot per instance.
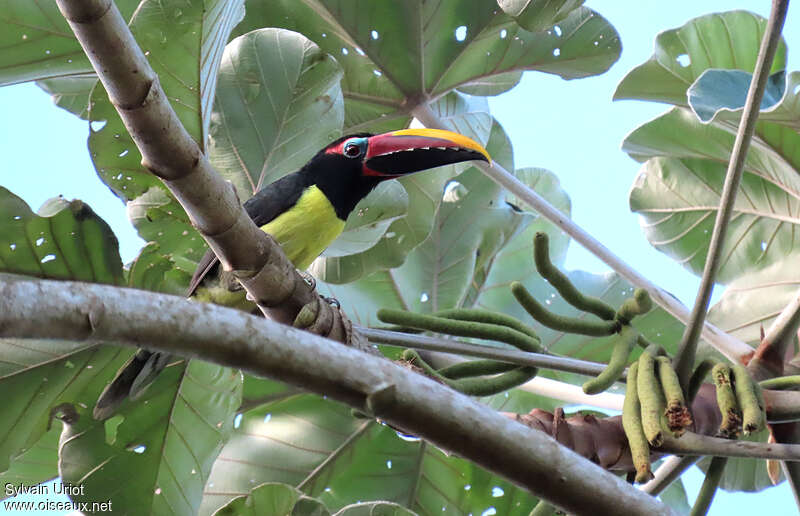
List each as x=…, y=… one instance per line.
x=354, y=148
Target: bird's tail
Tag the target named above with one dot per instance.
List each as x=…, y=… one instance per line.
x=131, y=380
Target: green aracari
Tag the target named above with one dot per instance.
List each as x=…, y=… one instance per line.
x=304, y=211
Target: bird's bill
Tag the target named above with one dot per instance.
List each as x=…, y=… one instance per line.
x=411, y=150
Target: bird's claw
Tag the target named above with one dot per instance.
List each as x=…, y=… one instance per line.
x=308, y=278
x=331, y=301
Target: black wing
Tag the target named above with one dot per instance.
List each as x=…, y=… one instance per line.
x=265, y=205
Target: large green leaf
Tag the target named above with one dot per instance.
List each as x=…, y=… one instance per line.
x=727, y=40
x=317, y=446
x=278, y=102
x=461, y=113
x=184, y=41
x=536, y=15
x=678, y=194
x=169, y=437
x=724, y=91
x=71, y=93
x=37, y=43
x=273, y=499
x=755, y=299
x=396, y=53
x=719, y=95
x=36, y=465
x=43, y=374
x=65, y=241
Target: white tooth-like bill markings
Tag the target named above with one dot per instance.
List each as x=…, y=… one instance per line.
x=407, y=161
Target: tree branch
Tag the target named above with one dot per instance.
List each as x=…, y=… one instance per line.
x=768, y=360
x=670, y=469
x=727, y=345
x=170, y=153
x=512, y=356
x=77, y=311
x=684, y=358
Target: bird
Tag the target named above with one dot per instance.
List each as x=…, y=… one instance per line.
x=304, y=211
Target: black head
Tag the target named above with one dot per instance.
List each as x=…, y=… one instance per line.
x=349, y=168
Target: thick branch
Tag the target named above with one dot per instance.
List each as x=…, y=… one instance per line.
x=76, y=311
x=684, y=359
x=729, y=346
x=170, y=153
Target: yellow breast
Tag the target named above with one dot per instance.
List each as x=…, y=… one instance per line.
x=306, y=229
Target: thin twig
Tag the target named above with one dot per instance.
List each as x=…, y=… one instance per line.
x=670, y=469
x=727, y=345
x=696, y=444
x=684, y=359
x=513, y=356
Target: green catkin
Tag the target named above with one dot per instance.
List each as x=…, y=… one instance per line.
x=461, y=328
x=560, y=281
x=745, y=389
x=639, y=304
x=619, y=358
x=651, y=399
x=643, y=342
x=488, y=317
x=475, y=368
x=709, y=487
x=678, y=416
x=700, y=373
x=483, y=386
x=632, y=424
x=726, y=400
x=781, y=383
x=494, y=384
x=560, y=322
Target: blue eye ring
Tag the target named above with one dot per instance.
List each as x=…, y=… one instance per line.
x=354, y=148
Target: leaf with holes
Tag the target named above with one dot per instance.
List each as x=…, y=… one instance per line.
x=466, y=115
x=278, y=103
x=273, y=499
x=470, y=227
x=678, y=189
x=65, y=241
x=183, y=41
x=536, y=15
x=727, y=41
x=43, y=374
x=37, y=42
x=317, y=446
x=436, y=47
x=170, y=437
x=160, y=219
x=153, y=270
